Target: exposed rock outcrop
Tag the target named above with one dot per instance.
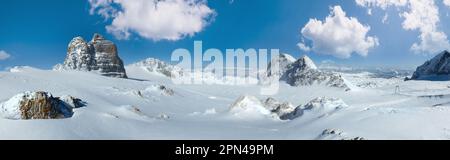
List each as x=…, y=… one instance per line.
x=151, y=90
x=281, y=109
x=99, y=55
x=251, y=106
x=437, y=68
x=39, y=105
x=324, y=104
x=304, y=72
x=283, y=61
x=335, y=134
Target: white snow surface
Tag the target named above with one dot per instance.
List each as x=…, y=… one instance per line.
x=391, y=109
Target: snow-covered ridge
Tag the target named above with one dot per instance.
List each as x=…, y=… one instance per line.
x=249, y=107
x=301, y=72
x=157, y=66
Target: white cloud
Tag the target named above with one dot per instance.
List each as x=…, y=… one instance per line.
x=421, y=15
x=4, y=55
x=447, y=3
x=303, y=47
x=383, y=4
x=154, y=19
x=338, y=35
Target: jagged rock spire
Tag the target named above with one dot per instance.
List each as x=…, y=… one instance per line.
x=97, y=55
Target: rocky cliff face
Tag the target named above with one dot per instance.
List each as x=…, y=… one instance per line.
x=97, y=55
x=437, y=68
x=283, y=61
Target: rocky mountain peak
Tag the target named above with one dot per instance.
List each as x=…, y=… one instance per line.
x=157, y=66
x=97, y=37
x=305, y=63
x=303, y=72
x=283, y=61
x=438, y=68
x=98, y=55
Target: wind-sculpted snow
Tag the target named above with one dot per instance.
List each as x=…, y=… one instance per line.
x=39, y=105
x=437, y=68
x=99, y=55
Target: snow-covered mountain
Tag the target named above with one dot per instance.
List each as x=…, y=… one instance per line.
x=283, y=61
x=157, y=66
x=303, y=72
x=98, y=55
x=437, y=68
x=250, y=107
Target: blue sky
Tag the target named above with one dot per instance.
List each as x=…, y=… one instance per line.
x=36, y=33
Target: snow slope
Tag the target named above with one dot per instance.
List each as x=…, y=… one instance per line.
x=138, y=108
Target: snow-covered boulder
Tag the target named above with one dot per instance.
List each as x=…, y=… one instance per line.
x=151, y=90
x=157, y=66
x=335, y=134
x=250, y=106
x=99, y=55
x=72, y=102
x=39, y=105
x=437, y=68
x=163, y=116
x=320, y=105
x=281, y=109
x=324, y=104
x=304, y=72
